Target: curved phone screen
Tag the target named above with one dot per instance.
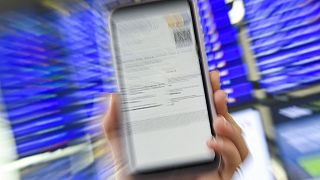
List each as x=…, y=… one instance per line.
x=163, y=95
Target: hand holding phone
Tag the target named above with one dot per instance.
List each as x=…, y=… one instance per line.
x=229, y=144
x=166, y=100
x=163, y=80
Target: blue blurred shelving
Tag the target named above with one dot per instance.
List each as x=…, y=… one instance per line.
x=285, y=42
x=223, y=51
x=53, y=68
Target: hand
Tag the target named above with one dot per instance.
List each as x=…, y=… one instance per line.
x=228, y=141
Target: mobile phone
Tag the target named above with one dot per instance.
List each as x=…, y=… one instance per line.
x=162, y=75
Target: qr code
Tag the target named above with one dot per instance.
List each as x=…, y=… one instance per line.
x=182, y=37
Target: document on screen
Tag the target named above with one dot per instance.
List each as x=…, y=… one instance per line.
x=161, y=84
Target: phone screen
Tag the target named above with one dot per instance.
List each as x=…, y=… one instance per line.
x=164, y=101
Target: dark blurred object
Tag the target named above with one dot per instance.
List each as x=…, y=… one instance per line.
x=297, y=131
x=6, y=5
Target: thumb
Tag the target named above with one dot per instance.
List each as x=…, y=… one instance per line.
x=111, y=119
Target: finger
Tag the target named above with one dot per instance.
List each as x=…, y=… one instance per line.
x=229, y=153
x=111, y=123
x=215, y=80
x=225, y=129
x=220, y=101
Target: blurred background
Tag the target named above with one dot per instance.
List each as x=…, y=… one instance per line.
x=55, y=72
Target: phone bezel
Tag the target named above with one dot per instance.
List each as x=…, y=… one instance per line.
x=215, y=163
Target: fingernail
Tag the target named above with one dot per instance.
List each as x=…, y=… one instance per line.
x=109, y=101
x=227, y=97
x=211, y=139
x=208, y=142
x=219, y=142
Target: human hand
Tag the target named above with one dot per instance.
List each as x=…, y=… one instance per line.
x=228, y=142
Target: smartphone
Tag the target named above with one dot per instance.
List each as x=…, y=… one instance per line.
x=162, y=75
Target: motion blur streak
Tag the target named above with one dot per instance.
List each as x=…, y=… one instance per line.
x=54, y=72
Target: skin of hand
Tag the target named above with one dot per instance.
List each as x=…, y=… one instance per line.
x=228, y=142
